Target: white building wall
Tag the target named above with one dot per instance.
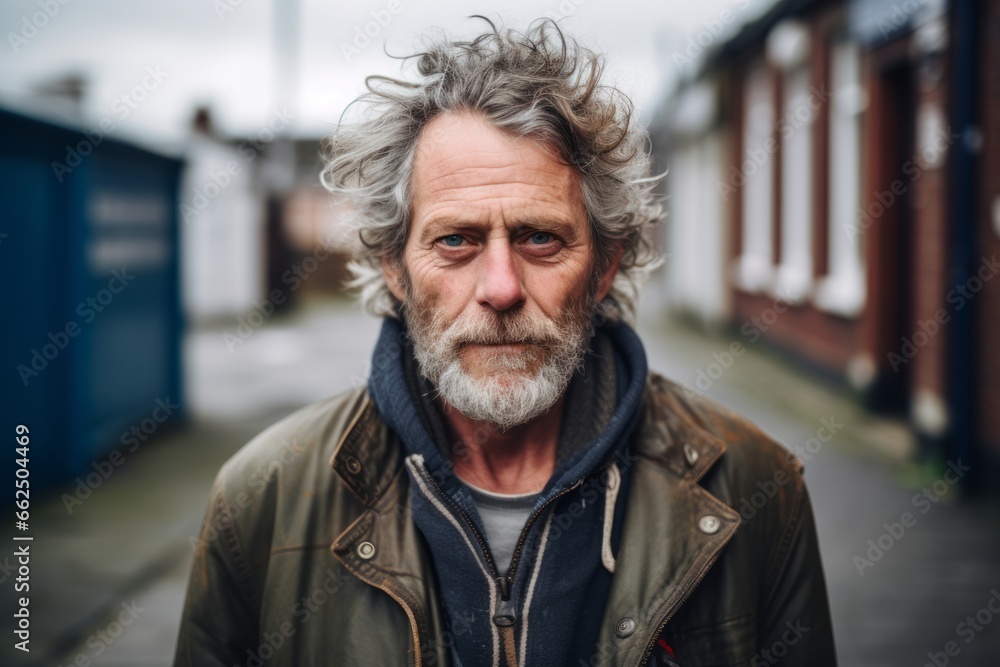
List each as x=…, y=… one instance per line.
x=843, y=290
x=222, y=217
x=793, y=281
x=697, y=237
x=755, y=270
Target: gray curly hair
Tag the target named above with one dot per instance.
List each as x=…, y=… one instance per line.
x=540, y=84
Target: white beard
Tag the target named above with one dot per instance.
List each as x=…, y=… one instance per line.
x=507, y=393
x=508, y=399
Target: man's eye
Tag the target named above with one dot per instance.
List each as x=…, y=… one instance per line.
x=540, y=238
x=453, y=240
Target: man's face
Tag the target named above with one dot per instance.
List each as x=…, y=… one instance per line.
x=498, y=274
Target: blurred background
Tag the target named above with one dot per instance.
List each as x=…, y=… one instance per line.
x=173, y=274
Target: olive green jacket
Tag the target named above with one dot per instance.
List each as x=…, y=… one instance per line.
x=299, y=564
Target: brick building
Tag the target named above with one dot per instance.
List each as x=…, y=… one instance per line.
x=842, y=160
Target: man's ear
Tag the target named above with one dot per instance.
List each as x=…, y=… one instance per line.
x=393, y=278
x=608, y=277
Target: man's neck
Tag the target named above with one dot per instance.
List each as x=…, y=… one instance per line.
x=520, y=460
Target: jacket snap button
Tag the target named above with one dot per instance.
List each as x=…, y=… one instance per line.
x=709, y=524
x=366, y=550
x=690, y=454
x=625, y=627
x=353, y=465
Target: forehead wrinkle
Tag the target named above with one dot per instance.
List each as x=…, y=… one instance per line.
x=512, y=211
x=506, y=195
x=440, y=147
x=486, y=176
x=519, y=199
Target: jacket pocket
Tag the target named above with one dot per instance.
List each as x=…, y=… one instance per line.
x=729, y=643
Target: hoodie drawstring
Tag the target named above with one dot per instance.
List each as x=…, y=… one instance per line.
x=610, y=498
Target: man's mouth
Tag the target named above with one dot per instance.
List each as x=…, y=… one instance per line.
x=487, y=340
x=518, y=347
x=502, y=348
x=496, y=344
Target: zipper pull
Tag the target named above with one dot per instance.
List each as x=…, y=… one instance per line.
x=505, y=613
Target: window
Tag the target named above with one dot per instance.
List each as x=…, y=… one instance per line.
x=842, y=291
x=754, y=270
x=794, y=278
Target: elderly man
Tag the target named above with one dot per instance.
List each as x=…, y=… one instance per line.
x=513, y=487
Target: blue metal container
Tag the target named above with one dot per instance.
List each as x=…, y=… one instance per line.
x=92, y=324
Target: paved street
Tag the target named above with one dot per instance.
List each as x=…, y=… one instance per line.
x=126, y=547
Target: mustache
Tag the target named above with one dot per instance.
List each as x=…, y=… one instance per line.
x=504, y=329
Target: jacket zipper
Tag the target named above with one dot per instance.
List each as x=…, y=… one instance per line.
x=694, y=584
x=417, y=654
x=468, y=522
x=505, y=612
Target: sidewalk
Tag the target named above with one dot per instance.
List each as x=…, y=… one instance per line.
x=128, y=543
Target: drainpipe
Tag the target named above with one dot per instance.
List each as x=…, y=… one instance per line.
x=962, y=255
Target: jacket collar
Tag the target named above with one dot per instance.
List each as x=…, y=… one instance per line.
x=672, y=538
x=382, y=547
x=369, y=455
x=673, y=434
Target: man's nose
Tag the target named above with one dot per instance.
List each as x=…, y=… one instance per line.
x=499, y=281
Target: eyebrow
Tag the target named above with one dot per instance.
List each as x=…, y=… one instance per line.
x=443, y=226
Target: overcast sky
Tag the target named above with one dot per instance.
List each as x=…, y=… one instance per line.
x=226, y=53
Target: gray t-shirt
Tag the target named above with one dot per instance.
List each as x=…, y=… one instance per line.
x=503, y=516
